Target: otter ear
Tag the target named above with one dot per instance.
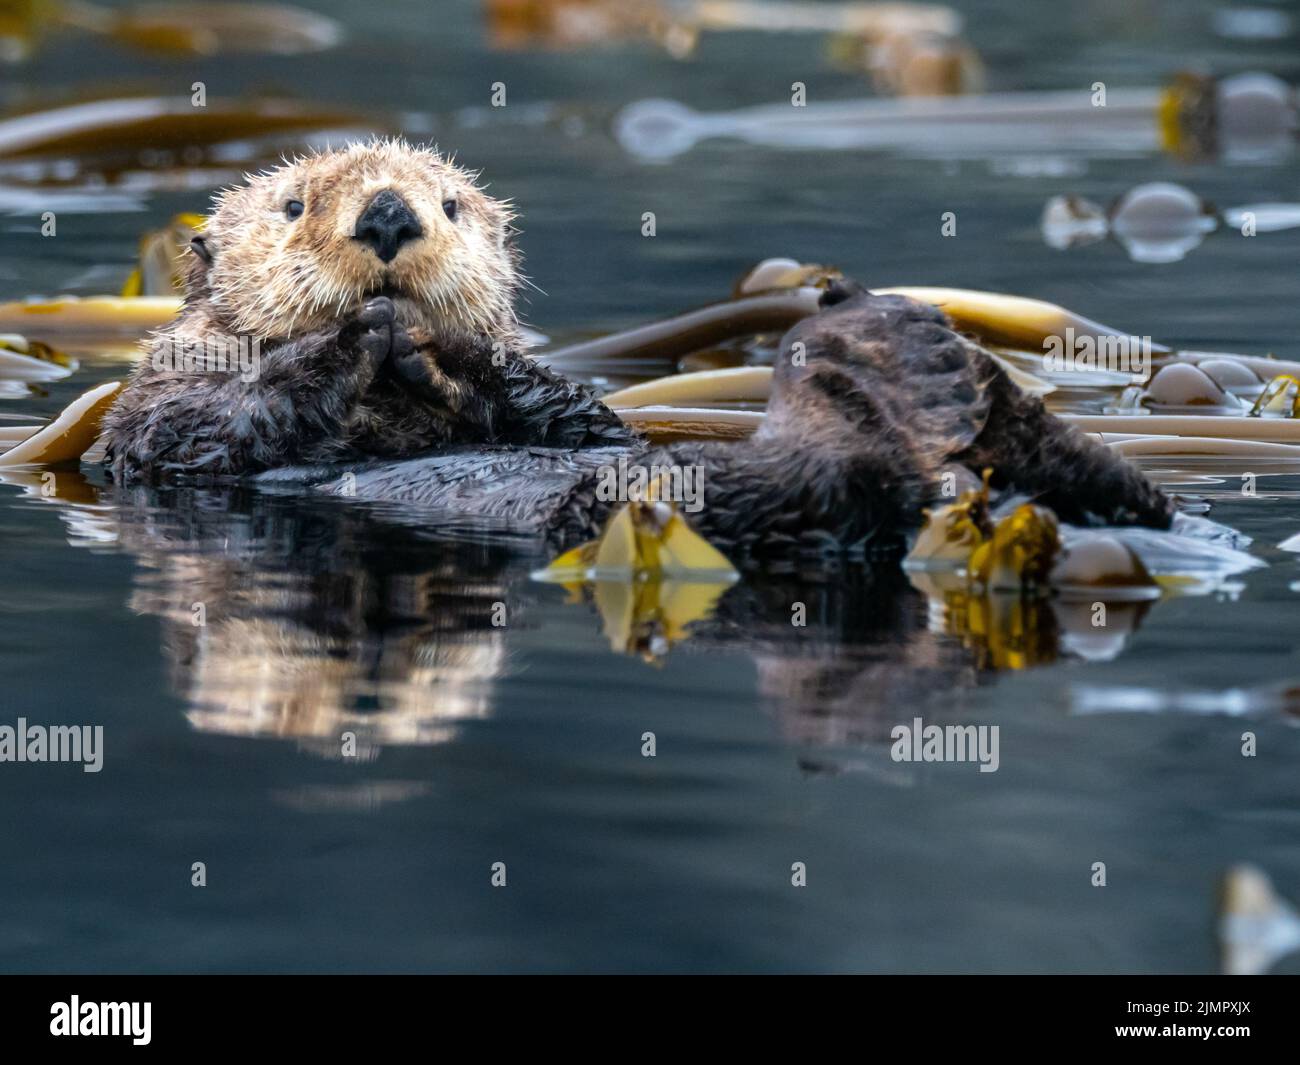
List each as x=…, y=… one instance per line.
x=506, y=233
x=199, y=265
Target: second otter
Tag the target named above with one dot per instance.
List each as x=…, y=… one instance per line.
x=380, y=282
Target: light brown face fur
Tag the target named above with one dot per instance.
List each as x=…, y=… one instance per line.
x=275, y=277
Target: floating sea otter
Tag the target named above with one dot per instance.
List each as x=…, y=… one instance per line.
x=379, y=282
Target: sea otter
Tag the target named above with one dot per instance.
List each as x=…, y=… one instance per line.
x=380, y=280
x=379, y=284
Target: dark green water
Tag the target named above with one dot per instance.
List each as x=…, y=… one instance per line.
x=522, y=743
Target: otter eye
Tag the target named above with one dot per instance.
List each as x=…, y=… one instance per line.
x=449, y=209
x=293, y=209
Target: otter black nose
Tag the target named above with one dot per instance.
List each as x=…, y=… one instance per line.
x=386, y=224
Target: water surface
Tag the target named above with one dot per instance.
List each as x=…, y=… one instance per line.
x=521, y=743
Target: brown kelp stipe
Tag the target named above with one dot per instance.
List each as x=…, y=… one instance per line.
x=127, y=126
x=194, y=28
x=682, y=334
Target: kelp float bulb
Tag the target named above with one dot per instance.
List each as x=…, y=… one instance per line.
x=1257, y=116
x=780, y=273
x=1160, y=222
x=1181, y=384
x=1101, y=563
x=1231, y=374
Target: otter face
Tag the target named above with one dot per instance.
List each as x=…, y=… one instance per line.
x=304, y=246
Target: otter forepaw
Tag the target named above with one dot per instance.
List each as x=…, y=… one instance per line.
x=378, y=311
x=411, y=362
x=373, y=330
x=416, y=362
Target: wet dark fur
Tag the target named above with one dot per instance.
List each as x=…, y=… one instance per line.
x=366, y=390
x=874, y=400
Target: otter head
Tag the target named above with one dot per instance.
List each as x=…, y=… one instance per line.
x=303, y=246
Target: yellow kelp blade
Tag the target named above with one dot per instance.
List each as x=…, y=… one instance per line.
x=742, y=384
x=640, y=540
x=621, y=554
x=950, y=533
x=89, y=315
x=1010, y=321
x=679, y=551
x=650, y=573
x=1020, y=552
x=70, y=435
x=951, y=564
x=1185, y=116
x=643, y=538
x=1010, y=554
x=571, y=569
x=618, y=551
x=1282, y=393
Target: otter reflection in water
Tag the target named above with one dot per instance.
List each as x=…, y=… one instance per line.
x=288, y=620
x=291, y=616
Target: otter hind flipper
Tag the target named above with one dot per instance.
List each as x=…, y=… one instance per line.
x=949, y=402
x=922, y=377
